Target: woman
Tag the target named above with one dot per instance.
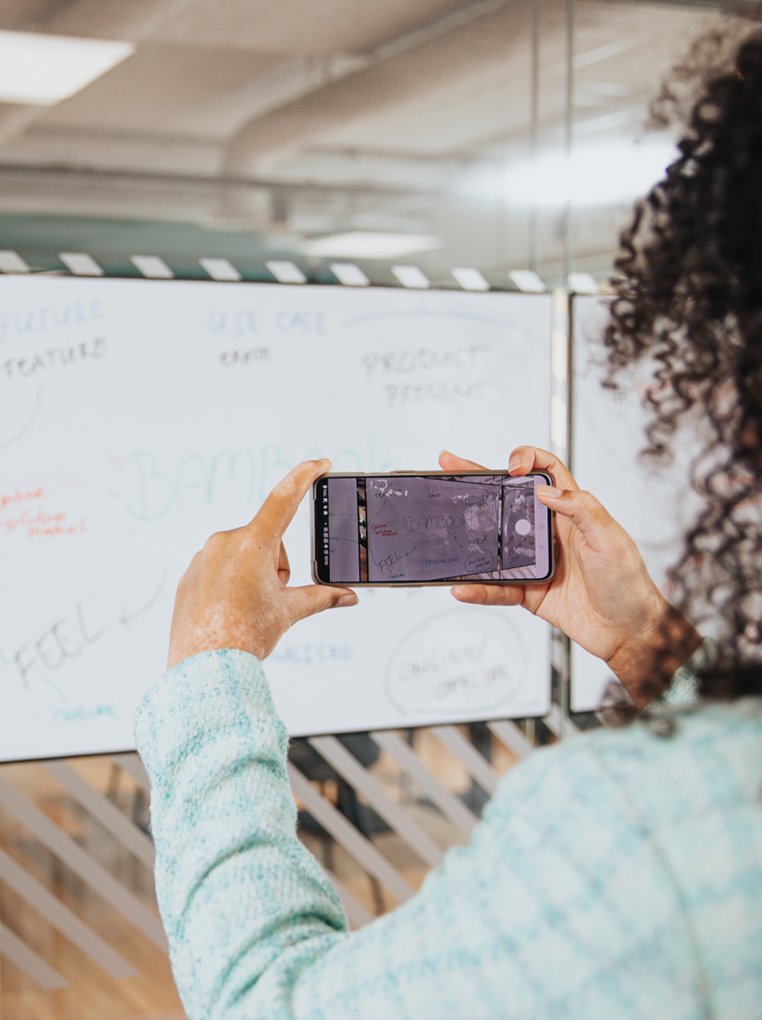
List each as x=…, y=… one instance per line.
x=617, y=875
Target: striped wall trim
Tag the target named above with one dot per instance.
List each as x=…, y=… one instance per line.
x=346, y=274
x=353, y=772
x=347, y=836
x=12, y=262
x=59, y=916
x=31, y=963
x=80, y=263
x=102, y=809
x=152, y=266
x=220, y=269
x=474, y=763
x=445, y=800
x=82, y=864
x=285, y=271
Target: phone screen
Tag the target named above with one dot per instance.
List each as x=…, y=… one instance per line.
x=418, y=529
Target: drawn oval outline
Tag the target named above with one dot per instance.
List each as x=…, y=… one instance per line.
x=495, y=627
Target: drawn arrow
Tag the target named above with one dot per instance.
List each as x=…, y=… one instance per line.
x=129, y=616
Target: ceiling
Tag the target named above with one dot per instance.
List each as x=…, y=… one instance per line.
x=280, y=120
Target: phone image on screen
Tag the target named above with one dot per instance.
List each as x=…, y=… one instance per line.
x=409, y=529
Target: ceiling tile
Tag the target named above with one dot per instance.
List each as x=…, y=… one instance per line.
x=299, y=27
x=169, y=89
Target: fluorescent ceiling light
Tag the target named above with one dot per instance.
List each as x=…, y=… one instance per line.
x=41, y=70
x=371, y=244
x=599, y=174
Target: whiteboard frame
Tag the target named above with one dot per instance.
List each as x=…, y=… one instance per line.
x=558, y=719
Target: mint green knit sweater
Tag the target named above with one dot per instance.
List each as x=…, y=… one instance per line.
x=615, y=876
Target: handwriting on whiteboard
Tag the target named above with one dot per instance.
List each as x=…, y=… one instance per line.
x=400, y=394
x=26, y=513
x=33, y=364
x=55, y=645
x=311, y=653
x=154, y=486
x=428, y=375
x=458, y=661
x=396, y=363
x=17, y=497
x=50, y=318
x=46, y=653
x=246, y=322
x=241, y=358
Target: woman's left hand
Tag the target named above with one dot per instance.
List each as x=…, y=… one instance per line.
x=235, y=592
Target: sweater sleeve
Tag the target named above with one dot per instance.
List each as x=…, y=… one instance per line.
x=684, y=686
x=244, y=903
x=514, y=924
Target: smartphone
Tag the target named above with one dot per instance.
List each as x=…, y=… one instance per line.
x=410, y=529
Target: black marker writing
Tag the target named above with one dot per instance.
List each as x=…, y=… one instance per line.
x=422, y=359
x=65, y=639
x=54, y=357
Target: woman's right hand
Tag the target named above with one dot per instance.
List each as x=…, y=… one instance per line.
x=601, y=594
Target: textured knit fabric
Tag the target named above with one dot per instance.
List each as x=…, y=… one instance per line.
x=618, y=875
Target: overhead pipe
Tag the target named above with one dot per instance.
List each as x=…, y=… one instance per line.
x=418, y=63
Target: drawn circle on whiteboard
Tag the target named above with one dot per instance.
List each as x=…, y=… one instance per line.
x=523, y=527
x=459, y=661
x=26, y=419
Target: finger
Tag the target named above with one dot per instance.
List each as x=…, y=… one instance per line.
x=277, y=511
x=314, y=598
x=284, y=567
x=449, y=462
x=592, y=519
x=490, y=594
x=531, y=458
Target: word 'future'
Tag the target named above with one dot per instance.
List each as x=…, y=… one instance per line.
x=49, y=319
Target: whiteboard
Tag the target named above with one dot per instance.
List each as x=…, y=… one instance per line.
x=137, y=417
x=608, y=433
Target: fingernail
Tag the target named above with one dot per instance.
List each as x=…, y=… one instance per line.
x=347, y=600
x=514, y=463
x=549, y=491
x=463, y=593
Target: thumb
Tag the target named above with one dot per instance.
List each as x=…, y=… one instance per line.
x=592, y=519
x=309, y=599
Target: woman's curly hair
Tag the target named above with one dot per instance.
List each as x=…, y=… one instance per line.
x=688, y=299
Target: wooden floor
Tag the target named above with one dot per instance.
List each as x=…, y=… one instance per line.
x=91, y=993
